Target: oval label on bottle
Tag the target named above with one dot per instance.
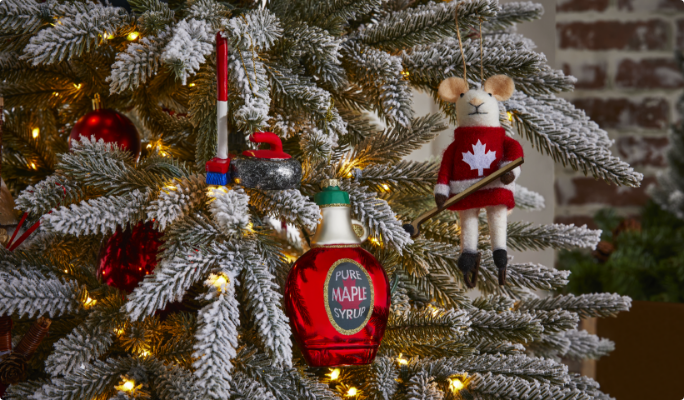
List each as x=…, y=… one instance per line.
x=349, y=296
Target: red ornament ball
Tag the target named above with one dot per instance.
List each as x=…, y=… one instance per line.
x=110, y=126
x=129, y=255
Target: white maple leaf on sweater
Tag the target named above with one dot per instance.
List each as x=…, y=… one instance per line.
x=479, y=159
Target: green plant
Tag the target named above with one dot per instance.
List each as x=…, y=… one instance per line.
x=646, y=264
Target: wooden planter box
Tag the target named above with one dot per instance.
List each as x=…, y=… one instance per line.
x=648, y=361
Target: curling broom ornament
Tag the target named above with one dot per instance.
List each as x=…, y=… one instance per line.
x=218, y=168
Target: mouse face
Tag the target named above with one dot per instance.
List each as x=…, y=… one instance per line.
x=477, y=107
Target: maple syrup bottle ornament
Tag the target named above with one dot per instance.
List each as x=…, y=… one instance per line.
x=337, y=294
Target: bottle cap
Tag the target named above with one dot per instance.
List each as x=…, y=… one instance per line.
x=331, y=194
x=329, y=183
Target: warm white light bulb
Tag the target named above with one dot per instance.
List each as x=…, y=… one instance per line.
x=334, y=374
x=128, y=386
x=455, y=384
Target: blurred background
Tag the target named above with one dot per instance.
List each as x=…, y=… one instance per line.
x=624, y=54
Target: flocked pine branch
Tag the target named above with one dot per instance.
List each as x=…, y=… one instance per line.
x=263, y=302
x=516, y=388
x=381, y=73
x=90, y=339
x=87, y=382
x=209, y=10
x=584, y=345
x=320, y=50
x=509, y=54
x=586, y=305
x=426, y=23
x=521, y=236
x=382, y=383
x=247, y=388
x=54, y=191
x=423, y=386
x=230, y=210
x=156, y=15
x=426, y=326
x=177, y=199
x=138, y=63
x=106, y=167
x=99, y=215
x=216, y=340
x=512, y=13
x=80, y=31
x=255, y=31
x=79, y=347
x=22, y=19
x=543, y=121
x=177, y=272
x=31, y=293
x=186, y=50
x=377, y=215
x=289, y=204
x=528, y=200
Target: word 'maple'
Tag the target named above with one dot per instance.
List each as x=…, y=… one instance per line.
x=350, y=295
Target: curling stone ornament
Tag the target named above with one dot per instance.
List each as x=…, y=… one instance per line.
x=270, y=169
x=337, y=295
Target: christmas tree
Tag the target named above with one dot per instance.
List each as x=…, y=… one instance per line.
x=206, y=320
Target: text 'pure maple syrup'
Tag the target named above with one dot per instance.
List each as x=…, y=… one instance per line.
x=337, y=294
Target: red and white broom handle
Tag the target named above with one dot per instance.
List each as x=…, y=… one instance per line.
x=222, y=98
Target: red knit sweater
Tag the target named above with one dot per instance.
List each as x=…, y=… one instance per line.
x=475, y=153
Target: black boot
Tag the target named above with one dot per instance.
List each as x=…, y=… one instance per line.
x=501, y=262
x=469, y=264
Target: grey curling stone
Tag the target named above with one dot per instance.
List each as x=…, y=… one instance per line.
x=266, y=174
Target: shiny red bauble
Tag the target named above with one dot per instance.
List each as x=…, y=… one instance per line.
x=111, y=127
x=129, y=255
x=338, y=300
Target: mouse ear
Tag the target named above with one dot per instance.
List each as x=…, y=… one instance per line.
x=451, y=88
x=500, y=86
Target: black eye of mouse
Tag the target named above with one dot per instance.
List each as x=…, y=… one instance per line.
x=462, y=94
x=490, y=95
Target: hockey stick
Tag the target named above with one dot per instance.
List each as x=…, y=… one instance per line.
x=414, y=227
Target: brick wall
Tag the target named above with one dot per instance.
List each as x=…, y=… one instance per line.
x=621, y=51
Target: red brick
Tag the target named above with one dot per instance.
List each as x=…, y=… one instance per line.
x=660, y=73
x=642, y=151
x=581, y=5
x=607, y=35
x=587, y=190
x=650, y=5
x=578, y=220
x=651, y=113
x=589, y=75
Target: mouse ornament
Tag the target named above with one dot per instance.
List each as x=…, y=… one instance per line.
x=480, y=147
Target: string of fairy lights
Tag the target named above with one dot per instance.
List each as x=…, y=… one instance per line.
x=456, y=383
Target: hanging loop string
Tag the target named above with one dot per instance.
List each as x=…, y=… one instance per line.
x=460, y=45
x=481, y=53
